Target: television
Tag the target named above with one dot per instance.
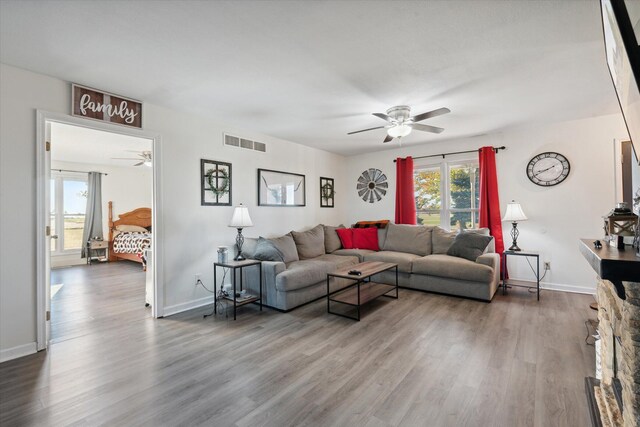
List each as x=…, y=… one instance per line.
x=622, y=48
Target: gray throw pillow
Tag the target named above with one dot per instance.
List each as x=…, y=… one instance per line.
x=469, y=245
x=442, y=240
x=310, y=243
x=413, y=239
x=331, y=240
x=287, y=247
x=266, y=251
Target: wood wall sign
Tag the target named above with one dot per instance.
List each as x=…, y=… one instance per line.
x=107, y=107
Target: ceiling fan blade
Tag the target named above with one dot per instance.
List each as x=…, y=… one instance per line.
x=383, y=116
x=365, y=130
x=388, y=138
x=426, y=128
x=139, y=164
x=124, y=158
x=434, y=113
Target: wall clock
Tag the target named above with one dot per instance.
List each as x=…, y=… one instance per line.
x=548, y=169
x=372, y=185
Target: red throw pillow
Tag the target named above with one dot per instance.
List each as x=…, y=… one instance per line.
x=346, y=238
x=366, y=238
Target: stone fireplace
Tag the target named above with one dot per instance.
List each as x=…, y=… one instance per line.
x=618, y=393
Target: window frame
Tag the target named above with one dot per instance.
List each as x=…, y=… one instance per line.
x=57, y=245
x=445, y=189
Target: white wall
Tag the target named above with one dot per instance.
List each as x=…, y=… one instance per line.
x=191, y=232
x=558, y=216
x=128, y=188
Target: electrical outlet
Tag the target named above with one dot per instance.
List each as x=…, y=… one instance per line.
x=547, y=265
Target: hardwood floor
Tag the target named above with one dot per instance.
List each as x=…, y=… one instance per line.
x=422, y=360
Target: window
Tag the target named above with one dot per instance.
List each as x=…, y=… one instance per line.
x=459, y=183
x=68, y=205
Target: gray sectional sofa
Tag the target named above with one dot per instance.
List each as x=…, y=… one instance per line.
x=419, y=251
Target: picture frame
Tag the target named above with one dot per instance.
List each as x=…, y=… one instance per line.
x=281, y=189
x=327, y=192
x=623, y=60
x=215, y=183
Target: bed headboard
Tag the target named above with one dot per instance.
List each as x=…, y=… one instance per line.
x=140, y=217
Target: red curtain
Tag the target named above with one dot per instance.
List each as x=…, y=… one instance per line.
x=489, y=200
x=405, y=198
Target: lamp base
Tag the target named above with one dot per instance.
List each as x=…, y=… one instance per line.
x=514, y=238
x=239, y=243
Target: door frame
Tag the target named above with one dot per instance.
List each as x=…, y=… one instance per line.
x=43, y=166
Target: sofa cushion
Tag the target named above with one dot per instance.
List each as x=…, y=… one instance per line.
x=403, y=259
x=381, y=223
x=346, y=237
x=365, y=238
x=452, y=268
x=331, y=240
x=287, y=247
x=266, y=251
x=360, y=253
x=469, y=245
x=310, y=243
x=300, y=274
x=442, y=239
x=414, y=239
x=334, y=262
x=491, y=247
x=249, y=247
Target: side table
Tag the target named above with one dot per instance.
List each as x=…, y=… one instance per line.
x=521, y=283
x=94, y=245
x=234, y=266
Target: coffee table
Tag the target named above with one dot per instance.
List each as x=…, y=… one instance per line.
x=363, y=290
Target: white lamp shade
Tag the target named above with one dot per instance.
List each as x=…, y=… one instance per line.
x=514, y=212
x=241, y=218
x=399, y=130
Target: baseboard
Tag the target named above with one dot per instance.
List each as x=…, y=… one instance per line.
x=562, y=287
x=19, y=351
x=186, y=306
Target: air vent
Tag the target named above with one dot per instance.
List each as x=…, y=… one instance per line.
x=247, y=144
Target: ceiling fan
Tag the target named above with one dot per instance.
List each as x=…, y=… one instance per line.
x=144, y=158
x=401, y=123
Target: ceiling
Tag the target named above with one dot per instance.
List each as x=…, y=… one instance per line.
x=82, y=145
x=310, y=72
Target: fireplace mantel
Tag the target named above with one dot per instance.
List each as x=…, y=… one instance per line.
x=612, y=264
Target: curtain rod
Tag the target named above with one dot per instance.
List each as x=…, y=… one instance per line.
x=496, y=149
x=68, y=170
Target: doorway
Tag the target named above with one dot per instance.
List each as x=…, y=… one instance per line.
x=68, y=149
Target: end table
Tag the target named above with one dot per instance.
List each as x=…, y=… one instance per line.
x=234, y=266
x=521, y=283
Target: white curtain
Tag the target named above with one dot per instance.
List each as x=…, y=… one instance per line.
x=93, y=214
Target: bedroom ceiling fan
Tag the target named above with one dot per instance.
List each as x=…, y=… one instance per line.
x=144, y=158
x=401, y=123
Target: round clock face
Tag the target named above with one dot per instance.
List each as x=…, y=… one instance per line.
x=547, y=169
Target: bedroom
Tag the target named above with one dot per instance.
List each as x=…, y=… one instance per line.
x=101, y=226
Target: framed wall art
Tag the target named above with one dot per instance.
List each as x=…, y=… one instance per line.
x=327, y=192
x=277, y=188
x=215, y=183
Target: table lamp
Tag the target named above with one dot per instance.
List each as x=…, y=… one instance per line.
x=514, y=214
x=240, y=220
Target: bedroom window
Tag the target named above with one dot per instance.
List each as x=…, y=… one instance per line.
x=459, y=183
x=68, y=205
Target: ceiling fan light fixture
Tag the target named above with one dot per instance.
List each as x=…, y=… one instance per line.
x=399, y=131
x=148, y=163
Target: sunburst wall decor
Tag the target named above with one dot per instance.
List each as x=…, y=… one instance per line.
x=372, y=185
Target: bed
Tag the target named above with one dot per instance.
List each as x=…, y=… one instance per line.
x=130, y=235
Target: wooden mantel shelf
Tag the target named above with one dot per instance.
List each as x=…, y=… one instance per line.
x=612, y=264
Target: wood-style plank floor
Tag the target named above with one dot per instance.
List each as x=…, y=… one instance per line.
x=422, y=360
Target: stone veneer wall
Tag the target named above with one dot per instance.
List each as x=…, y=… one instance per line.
x=623, y=318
